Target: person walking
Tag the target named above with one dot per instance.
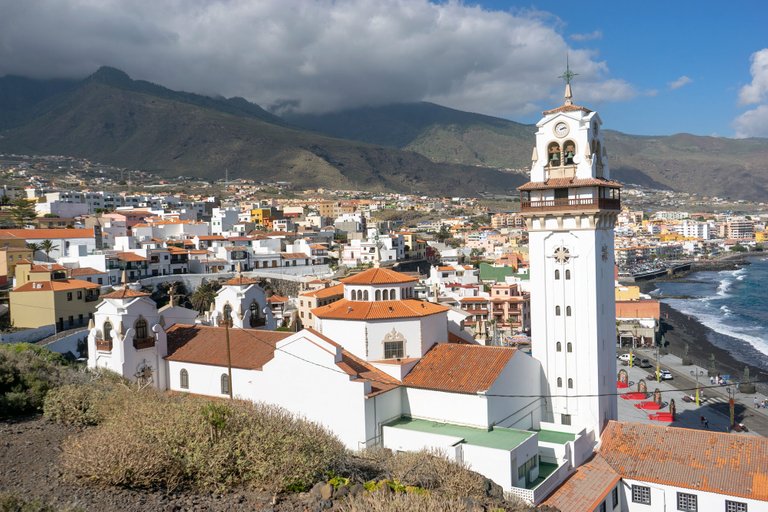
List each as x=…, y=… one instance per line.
x=706, y=423
x=756, y=402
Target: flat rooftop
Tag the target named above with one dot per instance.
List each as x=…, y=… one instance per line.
x=552, y=436
x=498, y=437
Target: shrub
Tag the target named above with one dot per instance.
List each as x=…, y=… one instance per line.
x=27, y=373
x=382, y=501
x=156, y=440
x=86, y=404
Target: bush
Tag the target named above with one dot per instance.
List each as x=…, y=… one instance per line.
x=160, y=441
x=86, y=404
x=382, y=501
x=27, y=373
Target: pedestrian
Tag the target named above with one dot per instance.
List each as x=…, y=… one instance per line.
x=757, y=403
x=701, y=421
x=706, y=423
x=712, y=380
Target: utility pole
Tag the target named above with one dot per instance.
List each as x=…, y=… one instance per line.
x=229, y=356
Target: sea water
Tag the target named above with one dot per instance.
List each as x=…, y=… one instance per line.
x=733, y=303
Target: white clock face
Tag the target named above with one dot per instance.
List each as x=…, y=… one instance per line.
x=561, y=129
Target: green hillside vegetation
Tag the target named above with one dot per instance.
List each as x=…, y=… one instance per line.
x=708, y=166
x=115, y=120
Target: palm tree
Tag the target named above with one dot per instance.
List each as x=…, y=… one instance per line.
x=203, y=296
x=47, y=246
x=34, y=248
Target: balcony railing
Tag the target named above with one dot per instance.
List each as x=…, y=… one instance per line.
x=589, y=203
x=104, y=345
x=140, y=343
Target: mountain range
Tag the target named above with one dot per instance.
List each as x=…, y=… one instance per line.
x=409, y=147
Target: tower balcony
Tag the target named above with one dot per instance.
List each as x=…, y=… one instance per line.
x=570, y=203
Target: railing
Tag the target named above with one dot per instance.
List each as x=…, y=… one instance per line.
x=104, y=345
x=140, y=343
x=588, y=203
x=91, y=297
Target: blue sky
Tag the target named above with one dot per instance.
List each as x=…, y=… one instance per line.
x=650, y=68
x=652, y=44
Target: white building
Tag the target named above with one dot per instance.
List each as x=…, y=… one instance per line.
x=570, y=206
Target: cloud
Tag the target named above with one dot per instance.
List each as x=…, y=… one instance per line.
x=318, y=55
x=755, y=92
x=752, y=123
x=680, y=82
x=591, y=36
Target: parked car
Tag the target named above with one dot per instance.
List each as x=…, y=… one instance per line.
x=665, y=375
x=643, y=363
x=624, y=357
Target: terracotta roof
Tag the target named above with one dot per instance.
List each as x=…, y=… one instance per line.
x=324, y=293
x=703, y=460
x=125, y=293
x=211, y=237
x=85, y=271
x=241, y=280
x=250, y=349
x=378, y=276
x=46, y=234
x=459, y=368
x=585, y=488
x=381, y=310
x=56, y=286
x=473, y=299
x=277, y=298
x=646, y=308
x=47, y=268
x=567, y=108
x=293, y=256
x=569, y=182
x=130, y=256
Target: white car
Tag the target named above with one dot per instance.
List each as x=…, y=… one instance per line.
x=625, y=357
x=665, y=375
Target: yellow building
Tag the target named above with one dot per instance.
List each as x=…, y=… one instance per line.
x=9, y=258
x=316, y=298
x=761, y=236
x=263, y=216
x=627, y=293
x=68, y=303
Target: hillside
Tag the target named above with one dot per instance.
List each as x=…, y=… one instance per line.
x=110, y=118
x=708, y=166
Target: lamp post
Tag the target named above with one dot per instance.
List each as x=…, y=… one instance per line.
x=697, y=373
x=731, y=405
x=658, y=365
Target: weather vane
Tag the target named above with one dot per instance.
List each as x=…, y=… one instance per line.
x=568, y=76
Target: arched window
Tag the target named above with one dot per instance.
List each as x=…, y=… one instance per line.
x=378, y=294
x=107, y=331
x=392, y=295
x=256, y=320
x=141, y=328
x=557, y=310
x=228, y=314
x=570, y=383
x=569, y=347
x=184, y=379
x=554, y=154
x=559, y=347
x=567, y=310
x=559, y=382
x=365, y=295
x=385, y=295
x=557, y=274
x=569, y=153
x=224, y=384
x=567, y=274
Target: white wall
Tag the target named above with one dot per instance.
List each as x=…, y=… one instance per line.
x=664, y=498
x=521, y=376
x=461, y=409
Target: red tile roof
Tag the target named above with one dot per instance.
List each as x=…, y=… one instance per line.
x=695, y=459
x=585, y=488
x=387, y=309
x=241, y=281
x=569, y=182
x=56, y=286
x=85, y=271
x=324, y=293
x=130, y=256
x=378, y=276
x=50, y=267
x=46, y=234
x=459, y=368
x=125, y=293
x=250, y=349
x=276, y=298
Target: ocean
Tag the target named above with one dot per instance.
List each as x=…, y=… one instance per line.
x=733, y=303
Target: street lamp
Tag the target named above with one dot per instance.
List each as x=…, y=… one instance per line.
x=697, y=373
x=731, y=404
x=658, y=365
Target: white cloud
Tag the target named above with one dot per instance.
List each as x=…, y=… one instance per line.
x=680, y=82
x=591, y=36
x=752, y=123
x=755, y=92
x=325, y=54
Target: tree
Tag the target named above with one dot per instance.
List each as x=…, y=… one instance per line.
x=443, y=234
x=22, y=212
x=47, y=246
x=34, y=248
x=203, y=296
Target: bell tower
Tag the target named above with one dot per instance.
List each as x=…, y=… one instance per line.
x=570, y=206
